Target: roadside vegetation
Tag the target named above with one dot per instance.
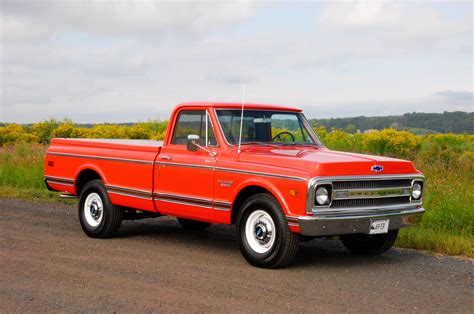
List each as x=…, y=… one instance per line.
x=447, y=161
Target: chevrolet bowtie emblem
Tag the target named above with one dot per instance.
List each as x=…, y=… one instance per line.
x=377, y=168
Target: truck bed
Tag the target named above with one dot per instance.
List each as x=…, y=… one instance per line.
x=122, y=165
x=142, y=145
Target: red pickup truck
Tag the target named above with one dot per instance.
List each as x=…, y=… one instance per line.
x=262, y=168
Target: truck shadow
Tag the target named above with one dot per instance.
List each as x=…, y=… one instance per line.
x=222, y=239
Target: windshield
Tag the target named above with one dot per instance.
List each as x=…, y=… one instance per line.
x=264, y=126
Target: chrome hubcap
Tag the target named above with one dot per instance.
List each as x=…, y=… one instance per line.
x=93, y=209
x=260, y=231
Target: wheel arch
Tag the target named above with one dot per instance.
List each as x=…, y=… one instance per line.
x=250, y=188
x=85, y=174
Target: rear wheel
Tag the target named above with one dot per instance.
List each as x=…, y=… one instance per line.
x=99, y=218
x=263, y=234
x=193, y=224
x=369, y=244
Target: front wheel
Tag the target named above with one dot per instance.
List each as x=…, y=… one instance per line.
x=369, y=244
x=99, y=218
x=263, y=235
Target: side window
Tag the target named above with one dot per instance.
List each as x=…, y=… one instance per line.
x=194, y=122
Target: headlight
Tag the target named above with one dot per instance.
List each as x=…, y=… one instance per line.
x=416, y=191
x=322, y=196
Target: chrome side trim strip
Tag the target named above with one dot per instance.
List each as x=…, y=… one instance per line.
x=119, y=190
x=182, y=203
x=137, y=161
x=222, y=209
x=174, y=164
x=263, y=174
x=129, y=195
x=193, y=201
x=292, y=221
x=59, y=183
x=68, y=180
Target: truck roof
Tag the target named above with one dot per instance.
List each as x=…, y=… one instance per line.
x=230, y=105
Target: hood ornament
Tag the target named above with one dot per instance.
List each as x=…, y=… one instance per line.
x=377, y=168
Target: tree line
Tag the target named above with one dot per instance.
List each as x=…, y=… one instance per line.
x=416, y=122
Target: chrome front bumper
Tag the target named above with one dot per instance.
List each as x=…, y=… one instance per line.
x=337, y=222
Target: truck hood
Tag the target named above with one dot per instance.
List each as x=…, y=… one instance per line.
x=325, y=162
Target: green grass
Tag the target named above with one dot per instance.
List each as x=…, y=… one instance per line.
x=447, y=227
x=21, y=173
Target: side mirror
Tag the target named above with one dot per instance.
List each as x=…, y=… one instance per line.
x=193, y=142
x=193, y=145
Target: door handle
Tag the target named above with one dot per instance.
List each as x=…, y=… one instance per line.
x=164, y=157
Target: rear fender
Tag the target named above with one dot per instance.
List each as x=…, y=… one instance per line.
x=89, y=167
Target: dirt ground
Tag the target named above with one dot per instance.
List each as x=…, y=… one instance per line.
x=48, y=264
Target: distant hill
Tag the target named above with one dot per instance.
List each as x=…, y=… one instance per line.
x=420, y=123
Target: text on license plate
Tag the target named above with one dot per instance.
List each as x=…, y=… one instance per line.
x=378, y=226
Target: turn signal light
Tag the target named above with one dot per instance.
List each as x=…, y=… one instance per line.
x=294, y=193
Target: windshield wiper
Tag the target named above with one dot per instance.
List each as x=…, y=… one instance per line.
x=301, y=144
x=260, y=143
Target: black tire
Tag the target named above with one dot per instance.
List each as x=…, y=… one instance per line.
x=369, y=244
x=108, y=222
x=193, y=224
x=286, y=243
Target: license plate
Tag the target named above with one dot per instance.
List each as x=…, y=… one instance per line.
x=378, y=226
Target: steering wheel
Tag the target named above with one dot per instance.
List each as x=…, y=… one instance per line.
x=278, y=136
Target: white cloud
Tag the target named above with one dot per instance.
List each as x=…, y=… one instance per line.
x=125, y=61
x=407, y=23
x=27, y=20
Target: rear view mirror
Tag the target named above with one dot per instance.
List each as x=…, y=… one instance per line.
x=262, y=120
x=193, y=142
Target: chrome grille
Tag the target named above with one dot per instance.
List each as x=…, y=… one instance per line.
x=371, y=184
x=369, y=202
x=364, y=192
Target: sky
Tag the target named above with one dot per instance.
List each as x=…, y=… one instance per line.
x=119, y=61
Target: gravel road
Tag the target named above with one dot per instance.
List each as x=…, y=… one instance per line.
x=48, y=264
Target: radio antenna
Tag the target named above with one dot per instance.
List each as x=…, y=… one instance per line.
x=241, y=118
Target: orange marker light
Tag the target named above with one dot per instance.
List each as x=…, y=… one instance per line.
x=294, y=193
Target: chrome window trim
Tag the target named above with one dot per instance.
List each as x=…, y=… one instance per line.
x=137, y=161
x=313, y=134
x=208, y=117
x=313, y=182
